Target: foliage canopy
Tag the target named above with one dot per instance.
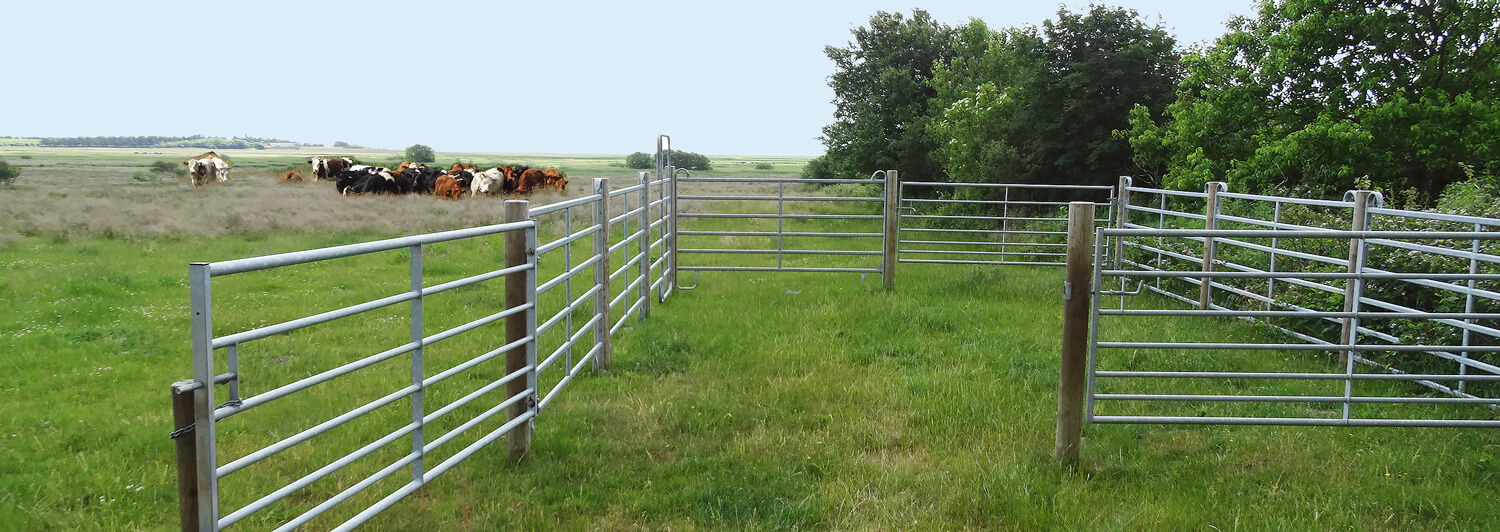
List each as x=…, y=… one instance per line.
x=418, y=153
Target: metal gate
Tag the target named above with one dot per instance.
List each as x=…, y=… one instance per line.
x=991, y=223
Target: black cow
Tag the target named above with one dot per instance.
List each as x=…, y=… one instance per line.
x=366, y=180
x=423, y=179
x=465, y=179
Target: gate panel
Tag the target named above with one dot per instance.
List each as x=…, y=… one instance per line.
x=991, y=223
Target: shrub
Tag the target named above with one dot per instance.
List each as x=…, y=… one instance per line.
x=8, y=173
x=420, y=154
x=763, y=166
x=818, y=168
x=640, y=161
x=691, y=161
x=143, y=176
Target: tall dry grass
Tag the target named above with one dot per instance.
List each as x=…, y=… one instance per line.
x=247, y=205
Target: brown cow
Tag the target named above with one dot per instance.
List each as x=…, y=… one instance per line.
x=556, y=179
x=461, y=166
x=447, y=187
x=509, y=179
x=329, y=168
x=291, y=177
x=530, y=180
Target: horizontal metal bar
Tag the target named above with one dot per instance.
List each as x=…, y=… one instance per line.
x=1006, y=185
x=774, y=233
x=997, y=202
x=773, y=216
x=772, y=269
x=1168, y=212
x=634, y=260
x=265, y=262
x=772, y=180
x=627, y=215
x=776, y=251
x=455, y=405
x=435, y=289
x=625, y=317
x=986, y=262
x=563, y=383
x=545, y=209
x=1299, y=347
x=1435, y=216
x=382, y=505
x=627, y=241
x=778, y=198
x=293, y=440
x=1332, y=235
x=1326, y=422
x=1302, y=275
x=573, y=339
x=1437, y=250
x=252, y=402
x=316, y=319
x=433, y=445
x=281, y=493
x=351, y=491
x=628, y=291
x=477, y=445
x=564, y=276
x=1166, y=192
x=440, y=377
x=563, y=313
x=961, y=252
x=1293, y=399
x=626, y=190
x=560, y=242
x=1292, y=376
x=1289, y=200
x=1299, y=314
x=968, y=231
x=492, y=318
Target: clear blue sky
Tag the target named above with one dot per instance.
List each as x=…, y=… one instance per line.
x=551, y=76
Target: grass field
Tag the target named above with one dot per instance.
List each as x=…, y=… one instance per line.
x=754, y=402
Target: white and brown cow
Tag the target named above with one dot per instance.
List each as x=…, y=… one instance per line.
x=329, y=168
x=205, y=167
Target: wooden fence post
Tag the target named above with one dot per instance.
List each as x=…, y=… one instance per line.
x=1359, y=223
x=892, y=230
x=601, y=274
x=183, y=417
x=1076, y=294
x=1210, y=244
x=519, y=439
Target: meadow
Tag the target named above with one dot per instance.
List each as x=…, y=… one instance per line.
x=757, y=401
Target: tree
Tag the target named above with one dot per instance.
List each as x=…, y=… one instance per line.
x=418, y=153
x=8, y=173
x=640, y=161
x=342, y=144
x=690, y=161
x=1314, y=94
x=1028, y=106
x=881, y=96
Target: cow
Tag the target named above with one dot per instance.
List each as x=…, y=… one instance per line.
x=530, y=180
x=461, y=166
x=556, y=179
x=329, y=168
x=447, y=187
x=291, y=177
x=508, y=183
x=205, y=167
x=423, y=179
x=361, y=179
x=465, y=179
x=488, y=182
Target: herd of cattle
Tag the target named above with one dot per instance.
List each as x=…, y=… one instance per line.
x=453, y=183
x=408, y=178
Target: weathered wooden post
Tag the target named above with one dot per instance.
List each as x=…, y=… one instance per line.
x=892, y=230
x=1122, y=217
x=1077, y=290
x=645, y=244
x=1210, y=244
x=187, y=454
x=516, y=293
x=601, y=274
x=1352, y=289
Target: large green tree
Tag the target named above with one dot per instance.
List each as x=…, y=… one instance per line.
x=1040, y=105
x=881, y=94
x=419, y=153
x=1314, y=94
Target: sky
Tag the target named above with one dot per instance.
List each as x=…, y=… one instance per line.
x=549, y=76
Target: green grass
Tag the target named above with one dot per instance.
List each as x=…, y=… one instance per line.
x=758, y=401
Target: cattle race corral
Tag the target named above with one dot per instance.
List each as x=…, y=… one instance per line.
x=801, y=398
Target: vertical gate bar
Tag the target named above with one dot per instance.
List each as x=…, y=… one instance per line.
x=892, y=229
x=233, y=363
x=672, y=239
x=518, y=441
x=1463, y=369
x=780, y=211
x=568, y=282
x=1122, y=218
x=1093, y=351
x=417, y=374
x=1004, y=223
x=1271, y=282
x=601, y=274
x=1108, y=220
x=1076, y=297
x=645, y=245
x=183, y=418
x=199, y=280
x=533, y=401
x=1161, y=223
x=1358, y=223
x=1210, y=244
